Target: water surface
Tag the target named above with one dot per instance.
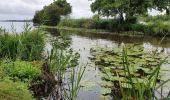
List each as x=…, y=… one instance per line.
x=83, y=42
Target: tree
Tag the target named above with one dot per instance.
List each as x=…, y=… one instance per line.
x=130, y=8
x=50, y=15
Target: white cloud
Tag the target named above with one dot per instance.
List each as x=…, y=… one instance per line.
x=12, y=9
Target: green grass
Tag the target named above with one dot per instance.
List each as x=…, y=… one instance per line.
x=10, y=90
x=28, y=45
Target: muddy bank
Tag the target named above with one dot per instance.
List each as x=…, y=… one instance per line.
x=43, y=85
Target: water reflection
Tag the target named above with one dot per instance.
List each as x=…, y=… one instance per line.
x=83, y=42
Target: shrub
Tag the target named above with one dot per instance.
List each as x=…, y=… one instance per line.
x=22, y=70
x=14, y=91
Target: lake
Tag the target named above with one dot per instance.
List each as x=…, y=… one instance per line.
x=83, y=42
x=14, y=26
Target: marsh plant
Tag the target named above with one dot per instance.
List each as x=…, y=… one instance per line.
x=28, y=45
x=130, y=73
x=138, y=90
x=63, y=62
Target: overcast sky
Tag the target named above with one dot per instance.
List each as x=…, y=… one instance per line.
x=25, y=9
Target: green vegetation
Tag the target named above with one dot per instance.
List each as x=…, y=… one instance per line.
x=50, y=15
x=125, y=16
x=26, y=46
x=130, y=72
x=24, y=64
x=20, y=70
x=153, y=26
x=17, y=74
x=14, y=91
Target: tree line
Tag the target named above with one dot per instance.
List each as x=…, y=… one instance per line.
x=129, y=8
x=126, y=10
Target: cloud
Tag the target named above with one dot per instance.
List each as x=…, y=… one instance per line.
x=80, y=8
x=21, y=7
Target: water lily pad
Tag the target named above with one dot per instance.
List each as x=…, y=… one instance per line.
x=105, y=91
x=106, y=84
x=87, y=85
x=126, y=85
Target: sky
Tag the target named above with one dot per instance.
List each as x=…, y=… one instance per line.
x=25, y=9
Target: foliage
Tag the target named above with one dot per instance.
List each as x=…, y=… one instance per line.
x=32, y=45
x=154, y=26
x=133, y=72
x=74, y=88
x=9, y=44
x=50, y=15
x=10, y=90
x=130, y=8
x=20, y=70
x=27, y=45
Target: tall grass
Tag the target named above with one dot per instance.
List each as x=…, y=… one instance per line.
x=29, y=45
x=74, y=86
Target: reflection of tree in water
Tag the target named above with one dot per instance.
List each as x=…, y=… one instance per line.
x=52, y=31
x=127, y=39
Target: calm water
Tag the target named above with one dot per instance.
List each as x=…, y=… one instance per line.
x=82, y=43
x=14, y=26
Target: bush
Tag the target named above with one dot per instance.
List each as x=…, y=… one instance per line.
x=14, y=91
x=21, y=70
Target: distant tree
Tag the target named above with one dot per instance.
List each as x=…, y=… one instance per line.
x=130, y=8
x=51, y=14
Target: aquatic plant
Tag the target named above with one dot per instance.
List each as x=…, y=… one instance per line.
x=133, y=72
x=32, y=45
x=26, y=46
x=74, y=85
x=9, y=44
x=60, y=60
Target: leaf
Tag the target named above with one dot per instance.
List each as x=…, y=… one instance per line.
x=126, y=85
x=105, y=91
x=106, y=84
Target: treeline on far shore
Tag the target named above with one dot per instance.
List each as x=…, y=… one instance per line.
x=150, y=25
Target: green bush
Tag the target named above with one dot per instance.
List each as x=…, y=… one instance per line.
x=21, y=70
x=10, y=90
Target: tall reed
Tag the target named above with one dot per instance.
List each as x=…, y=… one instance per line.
x=28, y=45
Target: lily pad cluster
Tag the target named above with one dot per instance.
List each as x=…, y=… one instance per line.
x=141, y=64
